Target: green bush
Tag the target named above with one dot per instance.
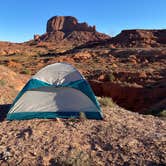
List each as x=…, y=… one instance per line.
x=157, y=112
x=82, y=116
x=110, y=77
x=2, y=82
x=106, y=102
x=162, y=113
x=26, y=71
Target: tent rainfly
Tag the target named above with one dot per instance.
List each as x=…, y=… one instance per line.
x=56, y=91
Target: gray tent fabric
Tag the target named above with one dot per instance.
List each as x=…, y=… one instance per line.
x=64, y=74
x=53, y=100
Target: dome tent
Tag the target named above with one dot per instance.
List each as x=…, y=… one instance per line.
x=56, y=91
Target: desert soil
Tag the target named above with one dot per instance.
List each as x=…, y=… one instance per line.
x=122, y=138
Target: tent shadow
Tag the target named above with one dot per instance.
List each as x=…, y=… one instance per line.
x=4, y=108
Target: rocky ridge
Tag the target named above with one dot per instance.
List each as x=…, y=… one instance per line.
x=140, y=38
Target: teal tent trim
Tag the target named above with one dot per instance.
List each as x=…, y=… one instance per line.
x=81, y=85
x=31, y=84
x=52, y=115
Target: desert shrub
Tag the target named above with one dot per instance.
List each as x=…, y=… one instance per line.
x=110, y=77
x=106, y=101
x=2, y=82
x=25, y=71
x=162, y=113
x=82, y=116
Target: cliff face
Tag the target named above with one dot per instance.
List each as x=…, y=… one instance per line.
x=140, y=38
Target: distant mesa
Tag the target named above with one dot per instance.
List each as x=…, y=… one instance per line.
x=67, y=29
x=140, y=38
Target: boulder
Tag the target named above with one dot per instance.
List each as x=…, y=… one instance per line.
x=36, y=37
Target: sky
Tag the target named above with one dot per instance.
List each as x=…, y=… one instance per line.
x=21, y=19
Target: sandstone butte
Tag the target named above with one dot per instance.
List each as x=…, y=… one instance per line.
x=68, y=29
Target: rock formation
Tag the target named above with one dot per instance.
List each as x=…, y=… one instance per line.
x=67, y=24
x=140, y=38
x=36, y=37
x=133, y=98
x=67, y=30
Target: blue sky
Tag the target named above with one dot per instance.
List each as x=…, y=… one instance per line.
x=21, y=19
